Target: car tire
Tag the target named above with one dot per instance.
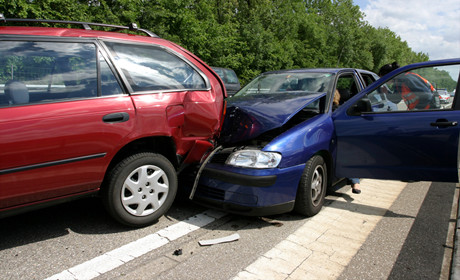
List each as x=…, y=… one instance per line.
x=312, y=187
x=140, y=189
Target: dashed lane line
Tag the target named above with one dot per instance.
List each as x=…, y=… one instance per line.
x=117, y=257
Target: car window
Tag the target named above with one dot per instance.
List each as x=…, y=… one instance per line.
x=347, y=87
x=219, y=72
x=442, y=91
x=368, y=79
x=34, y=72
x=230, y=76
x=278, y=83
x=150, y=68
x=416, y=90
x=109, y=83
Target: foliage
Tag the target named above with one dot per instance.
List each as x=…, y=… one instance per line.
x=439, y=78
x=249, y=36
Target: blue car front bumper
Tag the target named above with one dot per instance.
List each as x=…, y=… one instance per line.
x=252, y=192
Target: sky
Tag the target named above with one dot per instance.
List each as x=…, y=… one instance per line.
x=428, y=26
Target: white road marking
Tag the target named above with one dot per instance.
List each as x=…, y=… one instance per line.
x=117, y=257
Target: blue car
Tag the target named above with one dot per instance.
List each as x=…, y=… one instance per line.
x=287, y=137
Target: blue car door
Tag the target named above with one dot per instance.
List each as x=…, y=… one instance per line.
x=413, y=138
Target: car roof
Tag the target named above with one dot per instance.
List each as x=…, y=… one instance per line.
x=80, y=33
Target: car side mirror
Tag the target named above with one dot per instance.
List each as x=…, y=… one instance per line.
x=363, y=105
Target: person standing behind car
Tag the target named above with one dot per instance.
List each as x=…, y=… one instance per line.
x=387, y=68
x=416, y=91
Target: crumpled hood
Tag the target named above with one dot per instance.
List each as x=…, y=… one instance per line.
x=249, y=116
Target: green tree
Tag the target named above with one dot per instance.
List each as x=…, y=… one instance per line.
x=249, y=36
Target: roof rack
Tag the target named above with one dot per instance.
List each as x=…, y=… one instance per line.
x=85, y=25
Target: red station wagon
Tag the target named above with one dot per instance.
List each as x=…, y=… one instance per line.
x=84, y=112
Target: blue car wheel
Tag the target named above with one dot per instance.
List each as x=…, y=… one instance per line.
x=312, y=187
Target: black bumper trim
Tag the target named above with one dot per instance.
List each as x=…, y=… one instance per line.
x=239, y=179
x=246, y=210
x=52, y=163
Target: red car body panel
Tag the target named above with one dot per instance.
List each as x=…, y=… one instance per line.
x=38, y=139
x=56, y=132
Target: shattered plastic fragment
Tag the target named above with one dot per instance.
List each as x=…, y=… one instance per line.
x=229, y=238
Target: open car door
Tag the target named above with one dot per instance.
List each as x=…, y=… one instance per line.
x=418, y=139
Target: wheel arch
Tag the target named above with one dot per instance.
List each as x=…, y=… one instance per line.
x=327, y=157
x=162, y=145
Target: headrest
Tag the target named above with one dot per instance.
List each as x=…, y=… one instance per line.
x=16, y=92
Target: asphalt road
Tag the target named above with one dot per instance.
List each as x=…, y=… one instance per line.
x=392, y=230
x=414, y=240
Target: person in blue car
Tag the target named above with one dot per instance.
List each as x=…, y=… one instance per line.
x=355, y=187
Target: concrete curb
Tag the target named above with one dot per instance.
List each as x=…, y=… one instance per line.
x=455, y=270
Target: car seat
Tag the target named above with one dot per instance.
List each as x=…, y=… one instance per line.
x=16, y=92
x=344, y=95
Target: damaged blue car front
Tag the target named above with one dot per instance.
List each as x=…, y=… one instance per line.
x=288, y=137
x=275, y=128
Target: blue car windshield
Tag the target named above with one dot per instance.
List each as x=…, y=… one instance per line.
x=277, y=83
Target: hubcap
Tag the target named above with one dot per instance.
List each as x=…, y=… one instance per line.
x=317, y=185
x=145, y=190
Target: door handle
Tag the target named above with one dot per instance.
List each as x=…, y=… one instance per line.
x=116, y=117
x=444, y=123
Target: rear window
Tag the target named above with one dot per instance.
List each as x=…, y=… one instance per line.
x=230, y=76
x=227, y=75
x=368, y=79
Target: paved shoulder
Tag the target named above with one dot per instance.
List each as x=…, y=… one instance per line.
x=331, y=245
